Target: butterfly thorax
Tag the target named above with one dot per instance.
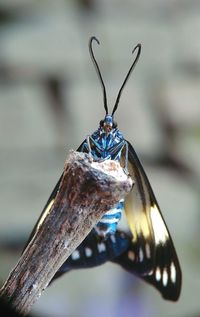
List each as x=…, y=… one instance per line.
x=106, y=143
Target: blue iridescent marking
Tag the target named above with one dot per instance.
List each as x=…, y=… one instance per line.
x=109, y=222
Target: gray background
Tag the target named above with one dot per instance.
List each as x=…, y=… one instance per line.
x=50, y=99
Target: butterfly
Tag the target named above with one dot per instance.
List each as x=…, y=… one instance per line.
x=147, y=250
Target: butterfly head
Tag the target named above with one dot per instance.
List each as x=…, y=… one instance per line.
x=108, y=124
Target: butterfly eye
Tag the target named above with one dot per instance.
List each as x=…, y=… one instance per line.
x=114, y=124
x=101, y=123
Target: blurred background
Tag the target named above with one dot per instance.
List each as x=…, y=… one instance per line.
x=50, y=99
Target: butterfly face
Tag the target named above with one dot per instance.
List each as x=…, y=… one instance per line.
x=108, y=124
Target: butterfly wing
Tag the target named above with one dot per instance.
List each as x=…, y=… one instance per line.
x=48, y=205
x=166, y=275
x=153, y=253
x=137, y=209
x=93, y=252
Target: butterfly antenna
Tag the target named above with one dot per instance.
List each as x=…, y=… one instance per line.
x=93, y=38
x=138, y=47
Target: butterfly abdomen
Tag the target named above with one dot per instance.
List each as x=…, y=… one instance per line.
x=108, y=223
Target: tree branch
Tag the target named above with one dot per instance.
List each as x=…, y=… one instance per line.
x=88, y=189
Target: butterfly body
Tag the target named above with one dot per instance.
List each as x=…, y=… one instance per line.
x=147, y=249
x=106, y=143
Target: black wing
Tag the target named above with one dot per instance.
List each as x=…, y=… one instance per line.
x=48, y=205
x=152, y=252
x=93, y=252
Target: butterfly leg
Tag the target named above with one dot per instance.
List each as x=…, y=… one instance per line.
x=125, y=168
x=88, y=144
x=91, y=147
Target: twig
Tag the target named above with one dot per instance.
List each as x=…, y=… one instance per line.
x=87, y=190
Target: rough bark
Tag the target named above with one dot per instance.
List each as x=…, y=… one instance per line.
x=87, y=190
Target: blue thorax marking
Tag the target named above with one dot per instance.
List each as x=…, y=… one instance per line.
x=104, y=145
